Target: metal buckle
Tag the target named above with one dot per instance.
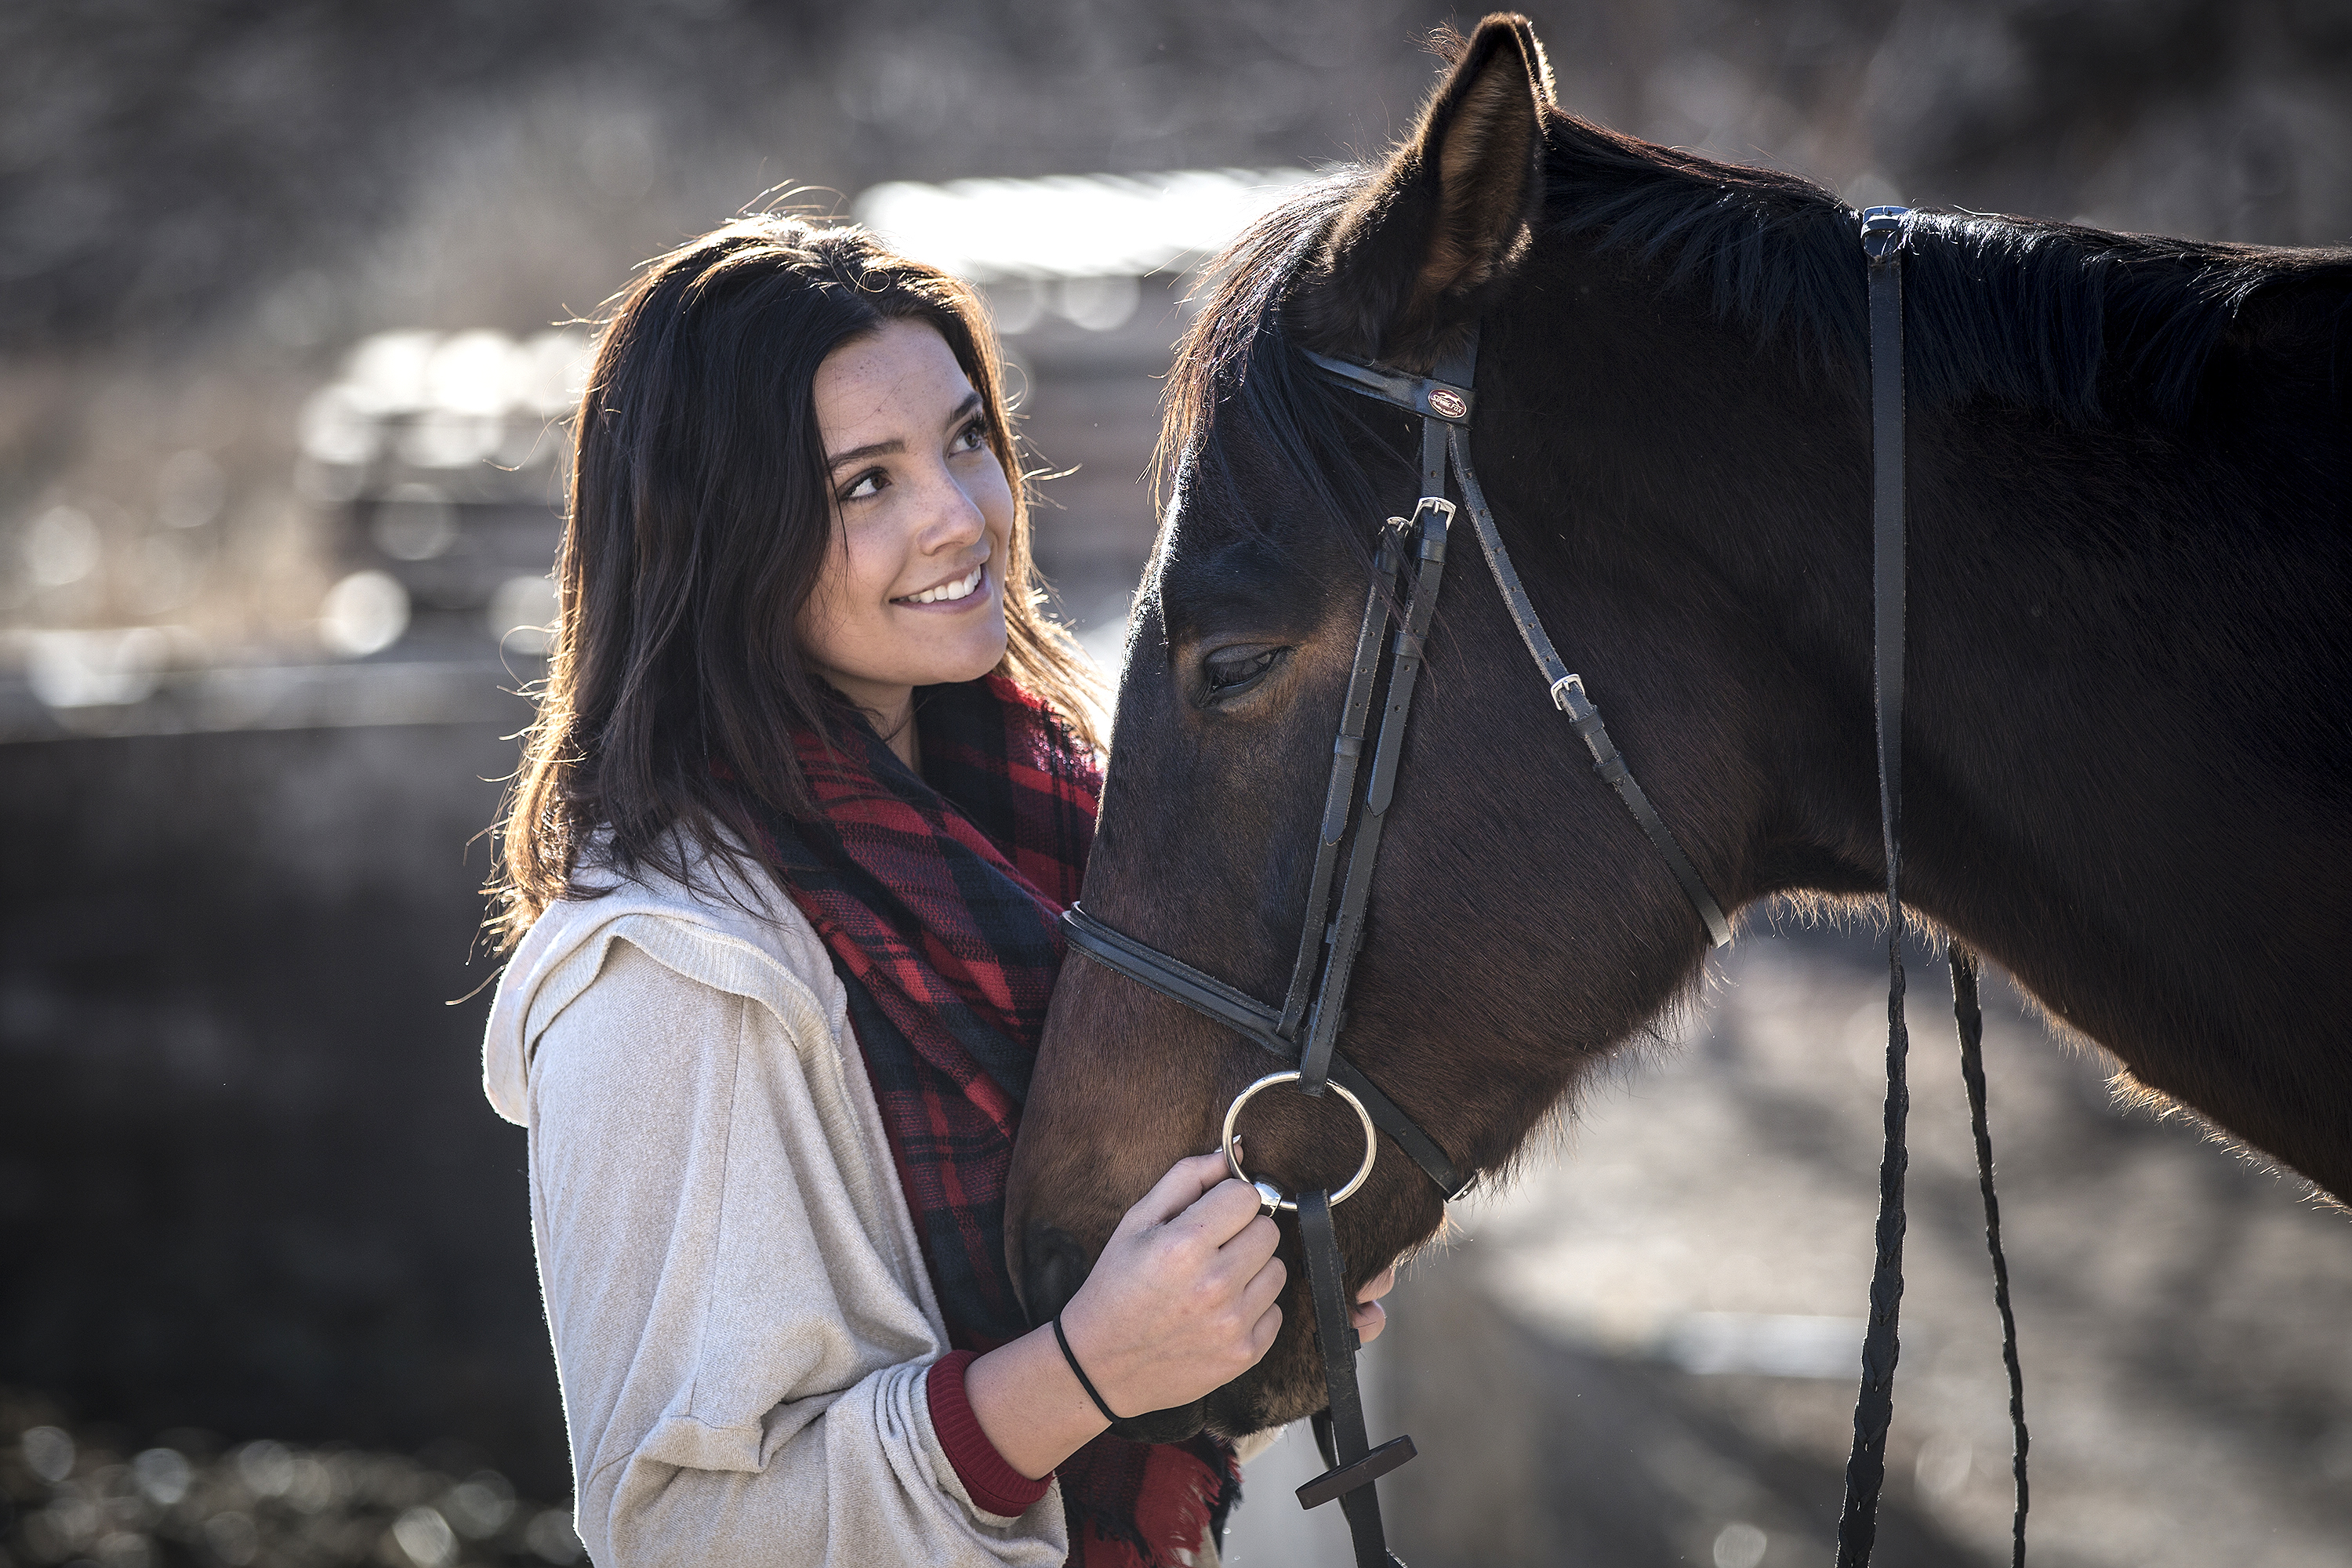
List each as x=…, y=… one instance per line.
x=1270, y=1197
x=1882, y=231
x=1430, y=504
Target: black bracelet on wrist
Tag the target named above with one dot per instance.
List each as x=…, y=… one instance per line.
x=1083, y=1381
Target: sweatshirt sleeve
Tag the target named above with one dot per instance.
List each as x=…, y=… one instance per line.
x=740, y=1325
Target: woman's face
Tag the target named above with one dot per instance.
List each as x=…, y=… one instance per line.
x=913, y=592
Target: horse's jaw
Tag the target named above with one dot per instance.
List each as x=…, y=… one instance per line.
x=1279, y=1390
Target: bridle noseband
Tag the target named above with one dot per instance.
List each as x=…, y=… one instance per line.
x=1304, y=1030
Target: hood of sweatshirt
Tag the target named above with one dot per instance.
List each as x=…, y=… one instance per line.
x=712, y=897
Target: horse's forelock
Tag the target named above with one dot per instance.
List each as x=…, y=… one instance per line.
x=1239, y=375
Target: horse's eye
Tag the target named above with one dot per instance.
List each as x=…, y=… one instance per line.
x=1229, y=669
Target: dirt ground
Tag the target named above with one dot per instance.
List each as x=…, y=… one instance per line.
x=1644, y=1351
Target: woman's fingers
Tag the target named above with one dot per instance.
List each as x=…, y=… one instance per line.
x=1177, y=1191
x=1369, y=1316
x=1185, y=1296
x=1222, y=1216
x=1262, y=1337
x=1249, y=1248
x=1265, y=1287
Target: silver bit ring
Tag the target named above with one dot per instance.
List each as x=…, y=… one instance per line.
x=1269, y=1197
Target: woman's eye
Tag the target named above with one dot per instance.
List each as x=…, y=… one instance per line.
x=866, y=486
x=974, y=437
x=1238, y=667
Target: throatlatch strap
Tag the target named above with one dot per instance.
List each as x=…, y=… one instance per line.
x=1356, y=1464
x=1970, y=1019
x=1874, y=1409
x=1567, y=694
x=1429, y=397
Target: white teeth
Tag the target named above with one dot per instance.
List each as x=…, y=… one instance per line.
x=959, y=588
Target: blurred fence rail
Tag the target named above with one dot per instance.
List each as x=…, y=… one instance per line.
x=247, y=1180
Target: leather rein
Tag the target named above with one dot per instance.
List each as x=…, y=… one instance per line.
x=1408, y=566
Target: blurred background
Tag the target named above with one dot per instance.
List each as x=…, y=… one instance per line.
x=291, y=301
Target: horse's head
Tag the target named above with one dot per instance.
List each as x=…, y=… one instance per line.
x=1520, y=924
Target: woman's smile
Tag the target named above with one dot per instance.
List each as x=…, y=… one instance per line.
x=968, y=592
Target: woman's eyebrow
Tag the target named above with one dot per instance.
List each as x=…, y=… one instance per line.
x=893, y=445
x=872, y=449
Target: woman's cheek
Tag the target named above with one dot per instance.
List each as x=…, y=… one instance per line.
x=867, y=574
x=831, y=620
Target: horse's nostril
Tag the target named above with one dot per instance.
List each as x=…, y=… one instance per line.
x=1055, y=1267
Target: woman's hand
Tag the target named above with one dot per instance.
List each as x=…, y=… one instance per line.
x=1181, y=1300
x=1370, y=1316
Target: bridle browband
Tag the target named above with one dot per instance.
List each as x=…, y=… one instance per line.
x=1303, y=1031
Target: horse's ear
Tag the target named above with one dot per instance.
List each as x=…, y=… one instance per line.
x=1438, y=230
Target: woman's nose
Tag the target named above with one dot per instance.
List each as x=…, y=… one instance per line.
x=952, y=516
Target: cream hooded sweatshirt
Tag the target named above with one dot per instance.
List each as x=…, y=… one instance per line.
x=741, y=1316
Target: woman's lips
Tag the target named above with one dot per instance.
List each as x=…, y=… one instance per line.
x=957, y=594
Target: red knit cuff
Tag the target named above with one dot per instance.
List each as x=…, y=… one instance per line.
x=995, y=1487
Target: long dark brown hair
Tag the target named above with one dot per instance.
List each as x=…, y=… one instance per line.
x=698, y=527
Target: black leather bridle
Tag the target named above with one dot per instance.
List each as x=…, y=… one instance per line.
x=1409, y=567
x=1410, y=560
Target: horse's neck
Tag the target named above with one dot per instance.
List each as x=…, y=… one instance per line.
x=2109, y=666
x=2121, y=736
x=2126, y=726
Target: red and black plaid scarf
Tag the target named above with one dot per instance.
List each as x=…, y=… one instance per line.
x=937, y=898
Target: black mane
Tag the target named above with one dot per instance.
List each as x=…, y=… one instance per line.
x=2074, y=321
x=2081, y=324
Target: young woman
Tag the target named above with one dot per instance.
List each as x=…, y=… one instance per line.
x=811, y=781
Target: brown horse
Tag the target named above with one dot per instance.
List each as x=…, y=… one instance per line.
x=2127, y=742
